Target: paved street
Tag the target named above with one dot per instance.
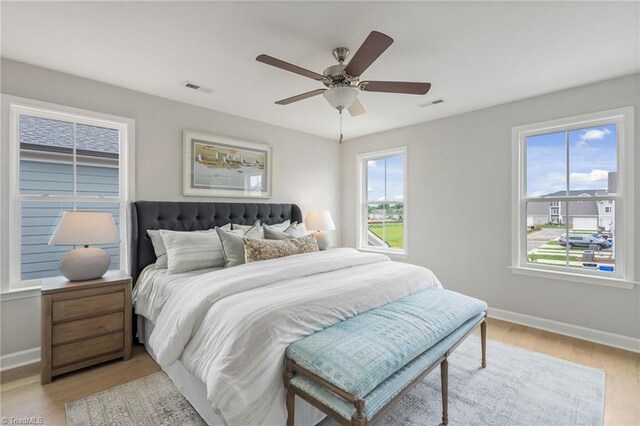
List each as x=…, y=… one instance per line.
x=536, y=239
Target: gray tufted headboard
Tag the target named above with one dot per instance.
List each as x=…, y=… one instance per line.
x=195, y=216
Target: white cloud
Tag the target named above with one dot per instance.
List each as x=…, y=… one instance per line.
x=372, y=163
x=589, y=179
x=592, y=134
x=398, y=197
x=369, y=188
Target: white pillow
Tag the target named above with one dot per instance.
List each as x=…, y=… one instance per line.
x=190, y=251
x=295, y=230
x=160, y=249
x=278, y=226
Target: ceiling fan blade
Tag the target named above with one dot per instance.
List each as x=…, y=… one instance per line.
x=300, y=97
x=356, y=108
x=395, y=87
x=270, y=60
x=372, y=47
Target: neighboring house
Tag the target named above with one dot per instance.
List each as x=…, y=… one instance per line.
x=583, y=215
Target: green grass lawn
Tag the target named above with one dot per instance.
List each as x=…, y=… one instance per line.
x=534, y=257
x=393, y=233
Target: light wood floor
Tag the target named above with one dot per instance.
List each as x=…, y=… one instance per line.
x=25, y=397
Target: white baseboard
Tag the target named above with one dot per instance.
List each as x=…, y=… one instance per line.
x=18, y=359
x=592, y=335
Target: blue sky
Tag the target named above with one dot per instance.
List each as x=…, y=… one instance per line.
x=392, y=168
x=592, y=154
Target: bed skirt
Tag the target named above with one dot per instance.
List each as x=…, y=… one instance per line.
x=195, y=391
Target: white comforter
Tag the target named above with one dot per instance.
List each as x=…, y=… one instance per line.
x=231, y=328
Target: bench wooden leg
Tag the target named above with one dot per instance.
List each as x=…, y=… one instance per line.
x=483, y=338
x=444, y=377
x=291, y=407
x=358, y=418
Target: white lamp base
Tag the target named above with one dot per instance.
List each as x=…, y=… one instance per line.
x=87, y=263
x=323, y=239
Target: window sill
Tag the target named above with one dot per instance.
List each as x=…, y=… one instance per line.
x=577, y=278
x=400, y=254
x=20, y=293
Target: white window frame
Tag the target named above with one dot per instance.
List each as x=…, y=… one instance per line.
x=12, y=108
x=624, y=198
x=362, y=212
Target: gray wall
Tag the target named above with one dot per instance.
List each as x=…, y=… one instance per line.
x=459, y=206
x=305, y=167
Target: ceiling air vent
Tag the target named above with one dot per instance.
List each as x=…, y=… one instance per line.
x=432, y=102
x=199, y=88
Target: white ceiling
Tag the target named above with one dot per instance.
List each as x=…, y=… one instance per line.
x=475, y=54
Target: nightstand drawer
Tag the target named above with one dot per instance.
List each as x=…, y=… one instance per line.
x=84, y=349
x=87, y=306
x=88, y=327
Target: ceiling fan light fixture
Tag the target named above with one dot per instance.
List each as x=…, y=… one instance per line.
x=341, y=97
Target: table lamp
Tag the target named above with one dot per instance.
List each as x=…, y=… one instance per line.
x=85, y=228
x=320, y=221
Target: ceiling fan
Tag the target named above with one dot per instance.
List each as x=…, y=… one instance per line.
x=343, y=81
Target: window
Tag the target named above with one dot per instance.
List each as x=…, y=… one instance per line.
x=573, y=197
x=382, y=201
x=62, y=159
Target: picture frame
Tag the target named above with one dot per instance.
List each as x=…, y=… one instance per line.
x=220, y=166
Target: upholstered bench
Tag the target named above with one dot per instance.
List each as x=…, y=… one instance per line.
x=356, y=369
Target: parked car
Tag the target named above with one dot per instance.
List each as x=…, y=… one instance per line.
x=584, y=240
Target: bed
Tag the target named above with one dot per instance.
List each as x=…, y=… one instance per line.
x=221, y=334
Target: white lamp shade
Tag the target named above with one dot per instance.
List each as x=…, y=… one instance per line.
x=341, y=97
x=85, y=228
x=319, y=220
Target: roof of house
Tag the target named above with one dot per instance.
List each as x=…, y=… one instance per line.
x=576, y=208
x=574, y=193
x=58, y=135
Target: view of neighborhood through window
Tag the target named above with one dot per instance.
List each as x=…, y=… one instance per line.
x=571, y=177
x=63, y=166
x=385, y=202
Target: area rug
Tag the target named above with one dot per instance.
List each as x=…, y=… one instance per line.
x=518, y=387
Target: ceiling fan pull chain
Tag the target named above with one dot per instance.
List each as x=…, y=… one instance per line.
x=340, y=113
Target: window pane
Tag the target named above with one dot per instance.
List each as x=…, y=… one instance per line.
x=39, y=220
x=394, y=179
x=385, y=227
x=97, y=150
x=590, y=242
x=376, y=180
x=591, y=234
x=545, y=226
x=593, y=160
x=112, y=249
x=546, y=167
x=97, y=180
x=46, y=156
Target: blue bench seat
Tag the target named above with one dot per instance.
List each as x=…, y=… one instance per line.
x=374, y=356
x=387, y=390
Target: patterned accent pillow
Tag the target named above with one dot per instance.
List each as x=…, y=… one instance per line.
x=160, y=249
x=256, y=250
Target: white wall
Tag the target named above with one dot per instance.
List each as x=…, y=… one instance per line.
x=305, y=167
x=459, y=200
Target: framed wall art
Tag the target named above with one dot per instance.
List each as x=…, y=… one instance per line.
x=218, y=166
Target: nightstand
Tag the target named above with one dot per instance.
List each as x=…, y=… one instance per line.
x=84, y=322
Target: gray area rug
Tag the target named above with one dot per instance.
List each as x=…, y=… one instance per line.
x=518, y=387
